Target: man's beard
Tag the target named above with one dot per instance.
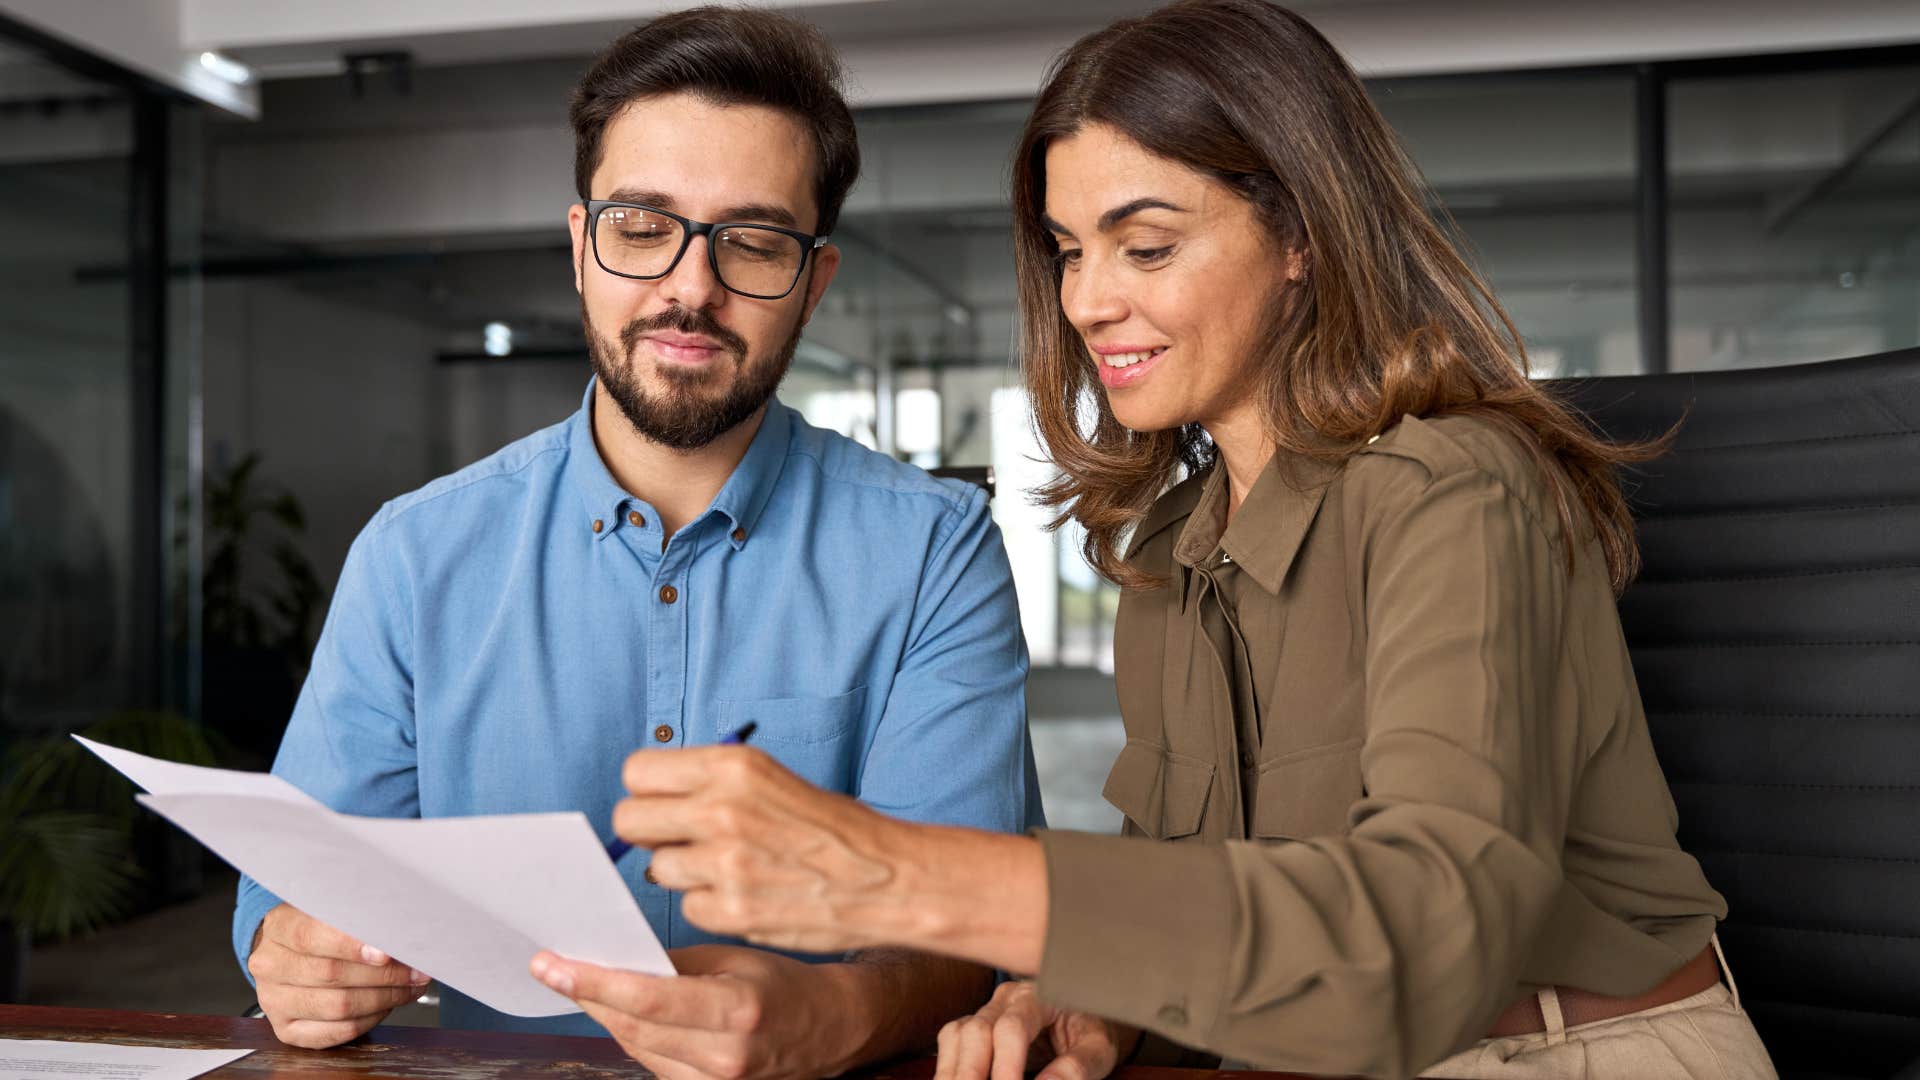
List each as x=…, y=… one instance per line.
x=683, y=417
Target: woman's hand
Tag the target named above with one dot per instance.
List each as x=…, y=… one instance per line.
x=994, y=1043
x=758, y=852
x=763, y=855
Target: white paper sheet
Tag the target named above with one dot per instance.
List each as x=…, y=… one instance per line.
x=466, y=900
x=38, y=1059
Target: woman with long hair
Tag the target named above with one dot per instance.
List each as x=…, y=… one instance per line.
x=1391, y=806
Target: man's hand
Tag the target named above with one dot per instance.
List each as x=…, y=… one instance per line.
x=994, y=1043
x=731, y=1014
x=319, y=987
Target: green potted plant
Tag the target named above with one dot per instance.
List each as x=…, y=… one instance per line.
x=260, y=598
x=69, y=828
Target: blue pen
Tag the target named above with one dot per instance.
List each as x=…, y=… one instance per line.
x=618, y=847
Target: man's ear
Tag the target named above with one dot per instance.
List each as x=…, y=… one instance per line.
x=825, y=263
x=577, y=225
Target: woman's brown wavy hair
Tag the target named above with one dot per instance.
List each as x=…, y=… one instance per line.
x=1389, y=320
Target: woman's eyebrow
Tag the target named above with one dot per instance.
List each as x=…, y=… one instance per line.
x=1126, y=210
x=1116, y=215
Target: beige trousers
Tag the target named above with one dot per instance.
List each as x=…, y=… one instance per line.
x=1705, y=1036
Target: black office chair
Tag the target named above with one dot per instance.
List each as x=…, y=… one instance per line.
x=1775, y=633
x=978, y=475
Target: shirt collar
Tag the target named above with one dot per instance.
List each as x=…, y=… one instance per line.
x=741, y=499
x=746, y=492
x=600, y=494
x=1268, y=529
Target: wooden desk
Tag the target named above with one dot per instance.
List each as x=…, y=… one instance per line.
x=402, y=1053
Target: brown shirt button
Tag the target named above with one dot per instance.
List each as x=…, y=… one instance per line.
x=598, y=524
x=668, y=594
x=634, y=519
x=1246, y=759
x=648, y=874
x=663, y=733
x=739, y=535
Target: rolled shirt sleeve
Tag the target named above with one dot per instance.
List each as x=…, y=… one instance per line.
x=959, y=697
x=1383, y=950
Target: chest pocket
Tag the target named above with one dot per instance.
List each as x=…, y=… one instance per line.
x=1163, y=793
x=816, y=737
x=1308, y=792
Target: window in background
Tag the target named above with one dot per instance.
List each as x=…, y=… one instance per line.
x=925, y=301
x=1537, y=172
x=1795, y=229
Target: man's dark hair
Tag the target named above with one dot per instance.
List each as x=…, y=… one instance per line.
x=731, y=56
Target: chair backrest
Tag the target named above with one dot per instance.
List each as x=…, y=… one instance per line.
x=1775, y=633
x=979, y=475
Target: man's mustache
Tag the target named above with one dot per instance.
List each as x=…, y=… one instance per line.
x=683, y=321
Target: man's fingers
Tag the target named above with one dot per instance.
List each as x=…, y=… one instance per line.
x=289, y=1003
x=668, y=1051
x=322, y=1035
x=683, y=1001
x=275, y=962
x=303, y=933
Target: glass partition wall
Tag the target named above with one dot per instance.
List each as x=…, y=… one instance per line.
x=1795, y=214
x=97, y=193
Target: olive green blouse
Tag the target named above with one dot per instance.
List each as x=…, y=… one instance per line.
x=1386, y=767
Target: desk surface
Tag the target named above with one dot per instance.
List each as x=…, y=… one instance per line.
x=401, y=1053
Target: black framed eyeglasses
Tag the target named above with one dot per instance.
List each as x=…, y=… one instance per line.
x=763, y=262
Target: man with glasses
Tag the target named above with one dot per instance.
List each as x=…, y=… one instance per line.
x=682, y=557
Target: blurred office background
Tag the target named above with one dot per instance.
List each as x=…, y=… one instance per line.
x=265, y=266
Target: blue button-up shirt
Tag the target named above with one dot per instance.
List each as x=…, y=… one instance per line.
x=502, y=639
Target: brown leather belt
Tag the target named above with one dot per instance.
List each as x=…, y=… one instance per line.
x=1578, y=1007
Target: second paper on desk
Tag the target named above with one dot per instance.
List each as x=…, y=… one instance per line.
x=468, y=900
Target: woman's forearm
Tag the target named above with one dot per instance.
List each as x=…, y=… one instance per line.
x=759, y=853
x=976, y=895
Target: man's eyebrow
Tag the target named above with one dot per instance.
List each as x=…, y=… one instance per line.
x=765, y=212
x=659, y=200
x=768, y=213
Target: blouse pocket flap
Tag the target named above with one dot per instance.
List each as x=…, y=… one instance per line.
x=1309, y=792
x=1162, y=792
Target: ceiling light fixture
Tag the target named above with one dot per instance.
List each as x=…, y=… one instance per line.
x=222, y=67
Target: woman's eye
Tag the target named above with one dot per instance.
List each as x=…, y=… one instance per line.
x=1149, y=256
x=1069, y=259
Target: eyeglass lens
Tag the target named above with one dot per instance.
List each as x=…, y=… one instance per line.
x=751, y=260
